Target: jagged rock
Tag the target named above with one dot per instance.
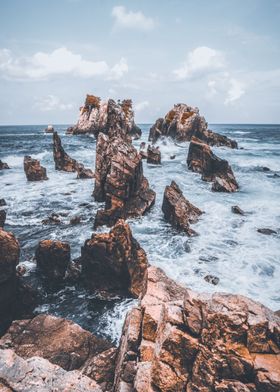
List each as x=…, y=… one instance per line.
x=38, y=374
x=153, y=155
x=84, y=173
x=172, y=156
x=237, y=210
x=9, y=258
x=52, y=258
x=33, y=169
x=212, y=279
x=61, y=158
x=142, y=151
x=49, y=129
x=96, y=116
x=114, y=261
x=178, y=210
x=2, y=217
x=178, y=340
x=266, y=231
x=3, y=202
x=202, y=160
x=182, y=123
x=3, y=165
x=119, y=181
x=53, y=219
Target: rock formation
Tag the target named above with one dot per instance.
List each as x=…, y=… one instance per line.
x=52, y=258
x=153, y=155
x=3, y=165
x=33, y=169
x=177, y=340
x=237, y=210
x=266, y=231
x=3, y=202
x=95, y=117
x=202, y=160
x=84, y=173
x=62, y=160
x=2, y=218
x=178, y=210
x=182, y=123
x=114, y=261
x=119, y=181
x=49, y=129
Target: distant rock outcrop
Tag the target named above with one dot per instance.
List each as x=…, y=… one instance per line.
x=95, y=117
x=182, y=123
x=3, y=165
x=202, y=160
x=49, y=129
x=33, y=169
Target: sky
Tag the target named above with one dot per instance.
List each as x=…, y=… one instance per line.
x=222, y=56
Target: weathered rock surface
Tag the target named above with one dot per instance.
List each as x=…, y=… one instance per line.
x=95, y=117
x=237, y=210
x=84, y=173
x=3, y=165
x=2, y=217
x=153, y=155
x=202, y=160
x=53, y=219
x=33, y=169
x=52, y=258
x=38, y=374
x=62, y=160
x=119, y=181
x=178, y=210
x=177, y=340
x=115, y=261
x=182, y=123
x=266, y=231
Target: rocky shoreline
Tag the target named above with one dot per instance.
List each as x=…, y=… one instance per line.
x=174, y=339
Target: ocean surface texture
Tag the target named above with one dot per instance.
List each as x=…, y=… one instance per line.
x=228, y=246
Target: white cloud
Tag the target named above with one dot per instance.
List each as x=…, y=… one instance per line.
x=200, y=62
x=61, y=61
x=51, y=102
x=118, y=70
x=236, y=90
x=132, y=20
x=141, y=106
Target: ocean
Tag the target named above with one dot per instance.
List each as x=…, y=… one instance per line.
x=228, y=246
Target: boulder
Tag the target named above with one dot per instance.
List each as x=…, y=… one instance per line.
x=212, y=279
x=52, y=258
x=84, y=173
x=114, y=261
x=96, y=116
x=237, y=210
x=119, y=181
x=182, y=123
x=75, y=220
x=202, y=160
x=61, y=159
x=53, y=219
x=153, y=155
x=178, y=211
x=3, y=202
x=33, y=169
x=3, y=165
x=2, y=217
x=266, y=231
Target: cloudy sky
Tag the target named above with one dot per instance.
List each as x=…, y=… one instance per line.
x=221, y=55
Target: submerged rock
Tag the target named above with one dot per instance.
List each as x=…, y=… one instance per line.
x=178, y=210
x=212, y=279
x=237, y=210
x=2, y=217
x=153, y=155
x=266, y=231
x=202, y=160
x=182, y=123
x=62, y=160
x=33, y=169
x=75, y=220
x=3, y=165
x=3, y=202
x=53, y=219
x=114, y=261
x=96, y=116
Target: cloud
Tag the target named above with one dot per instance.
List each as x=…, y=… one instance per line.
x=61, y=61
x=132, y=20
x=118, y=70
x=200, y=62
x=141, y=106
x=51, y=102
x=236, y=90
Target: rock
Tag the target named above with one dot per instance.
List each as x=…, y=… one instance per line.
x=2, y=217
x=182, y=123
x=84, y=173
x=33, y=169
x=38, y=374
x=265, y=169
x=3, y=165
x=75, y=220
x=237, y=210
x=114, y=261
x=52, y=258
x=212, y=279
x=202, y=160
x=3, y=202
x=9, y=258
x=172, y=156
x=49, y=129
x=119, y=181
x=53, y=219
x=266, y=231
x=179, y=340
x=61, y=158
x=96, y=116
x=178, y=210
x=153, y=155
x=187, y=247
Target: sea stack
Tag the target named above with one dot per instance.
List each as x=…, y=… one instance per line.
x=33, y=169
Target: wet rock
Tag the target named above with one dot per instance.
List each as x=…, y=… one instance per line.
x=212, y=279
x=75, y=220
x=187, y=247
x=102, y=116
x=61, y=159
x=266, y=231
x=178, y=210
x=237, y=210
x=38, y=374
x=2, y=217
x=74, y=271
x=52, y=258
x=3, y=202
x=202, y=160
x=84, y=173
x=153, y=155
x=49, y=129
x=53, y=219
x=114, y=261
x=172, y=156
x=182, y=123
x=265, y=169
x=119, y=181
x=3, y=165
x=33, y=169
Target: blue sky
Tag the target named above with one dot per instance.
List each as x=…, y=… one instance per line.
x=222, y=56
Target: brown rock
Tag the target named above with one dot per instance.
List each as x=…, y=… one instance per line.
x=61, y=159
x=75, y=220
x=202, y=160
x=178, y=210
x=53, y=219
x=153, y=155
x=33, y=169
x=2, y=217
x=115, y=261
x=3, y=165
x=84, y=173
x=52, y=258
x=237, y=210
